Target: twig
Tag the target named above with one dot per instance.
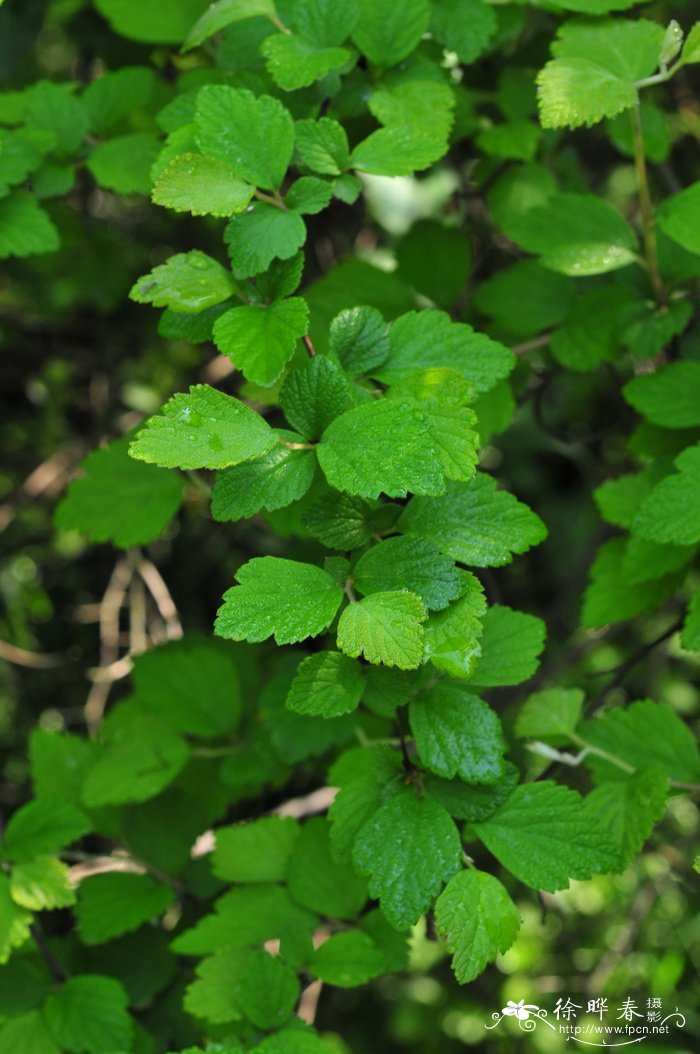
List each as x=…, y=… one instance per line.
x=55, y=968
x=308, y=1004
x=158, y=589
x=309, y=346
x=624, y=668
x=648, y=222
x=110, y=607
x=34, y=660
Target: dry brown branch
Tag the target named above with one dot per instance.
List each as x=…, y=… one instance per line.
x=33, y=660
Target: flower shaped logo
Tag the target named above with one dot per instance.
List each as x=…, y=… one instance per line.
x=521, y=1010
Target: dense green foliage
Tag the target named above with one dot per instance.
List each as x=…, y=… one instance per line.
x=413, y=459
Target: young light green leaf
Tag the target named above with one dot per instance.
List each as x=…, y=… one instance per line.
x=347, y=960
x=187, y=282
x=322, y=146
x=314, y=395
x=457, y=734
x=452, y=637
x=14, y=921
x=646, y=733
x=382, y=446
x=44, y=825
x=112, y=904
x=224, y=13
x=409, y=848
x=422, y=340
x=553, y=712
x=384, y=628
x=261, y=339
x=89, y=1014
x=261, y=235
x=474, y=523
x=316, y=881
x=282, y=598
x=463, y=26
x=691, y=48
x=409, y=563
x=41, y=884
x=399, y=150
x=29, y=1033
x=267, y=989
x=270, y=482
x=627, y=809
x=387, y=33
x=203, y=429
x=576, y=91
x=25, y=228
x=421, y=105
x=668, y=397
x=192, y=684
x=511, y=644
x=200, y=185
x=543, y=835
x=255, y=852
x=477, y=919
x=210, y=996
x=577, y=234
x=294, y=63
x=119, y=499
x=254, y=136
x=309, y=195
x=326, y=684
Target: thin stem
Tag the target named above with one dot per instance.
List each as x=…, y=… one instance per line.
x=198, y=482
x=309, y=346
x=55, y=968
x=271, y=199
x=277, y=21
x=648, y=221
x=638, y=656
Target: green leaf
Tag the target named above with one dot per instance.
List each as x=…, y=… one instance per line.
x=591, y=332
x=41, y=884
x=281, y=279
x=422, y=340
x=282, y=598
x=188, y=282
x=270, y=482
x=628, y=809
x=477, y=920
x=690, y=634
x=514, y=140
x=576, y=91
x=255, y=852
x=543, y=835
x=326, y=684
x=18, y=157
x=691, y=47
x=266, y=990
x=261, y=340
x=525, y=298
x=554, y=712
x=463, y=26
x=314, y=395
x=45, y=825
x=309, y=195
x=254, y=136
x=644, y=561
x=14, y=922
x=609, y=598
x=89, y=1014
x=25, y=228
x=224, y=13
x=466, y=802
x=58, y=763
x=409, y=847
x=408, y=563
x=384, y=628
x=618, y=499
x=51, y=107
x=668, y=397
x=421, y=105
x=112, y=96
x=670, y=513
x=141, y=756
x=210, y=996
x=510, y=647
x=317, y=881
x=644, y=734
x=387, y=33
x=124, y=164
x=23, y=985
x=293, y=1041
x=149, y=21
x=192, y=684
x=435, y=260
x=203, y=429
x=457, y=734
x=399, y=150
x=294, y=63
x=119, y=499
x=577, y=234
x=27, y=1034
x=200, y=185
x=322, y=146
x=347, y=960
x=261, y=235
x=325, y=23
x=627, y=48
x=340, y=521
x=474, y=523
x=112, y=904
x=359, y=339
x=452, y=637
x=382, y=446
